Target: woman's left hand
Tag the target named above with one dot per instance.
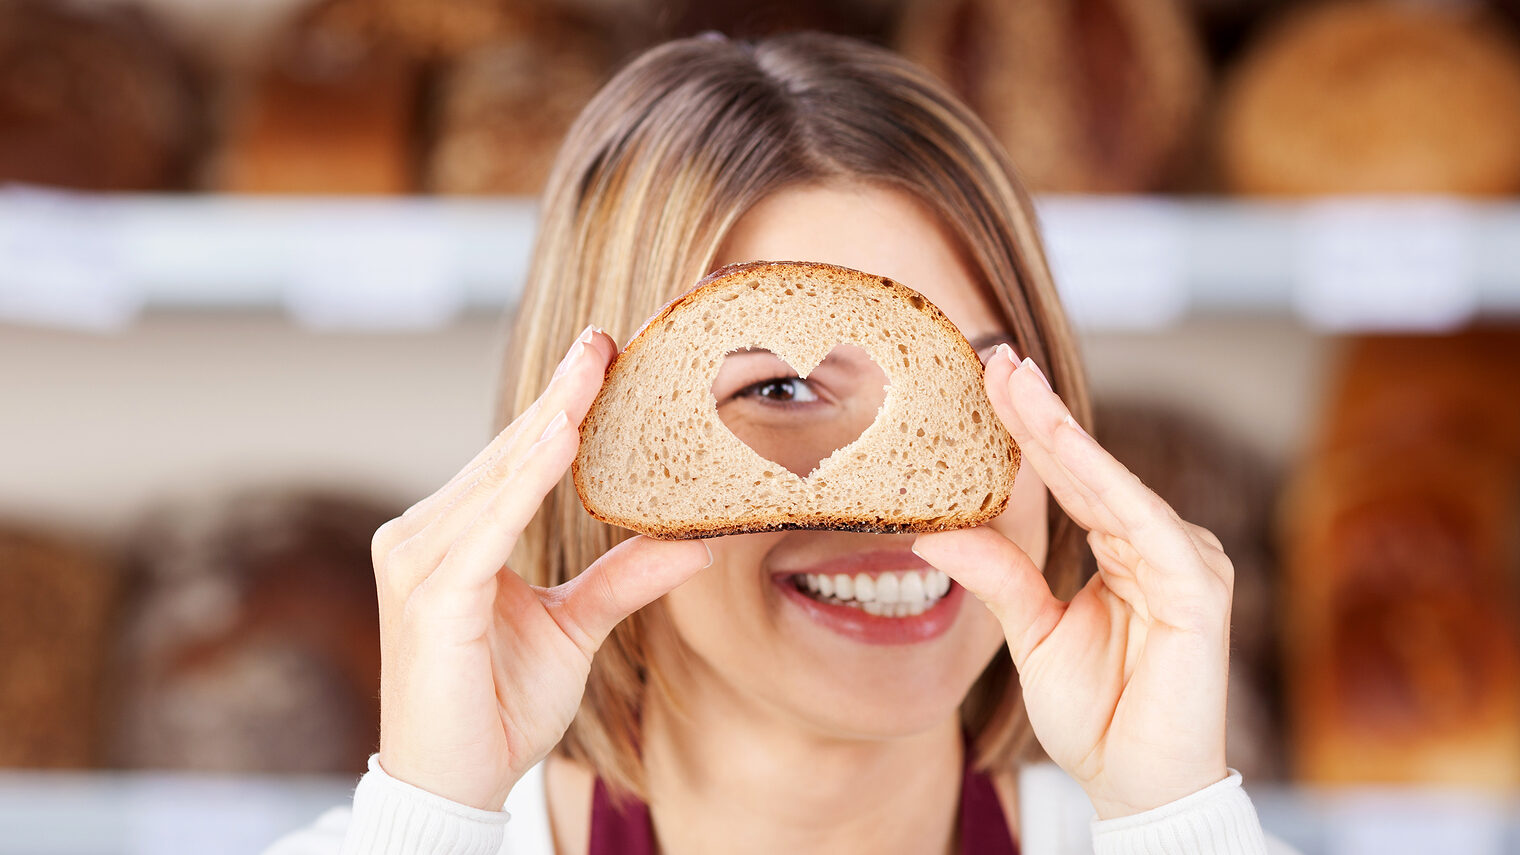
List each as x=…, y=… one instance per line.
x=1125, y=684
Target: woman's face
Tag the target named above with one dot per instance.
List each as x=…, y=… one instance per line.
x=761, y=646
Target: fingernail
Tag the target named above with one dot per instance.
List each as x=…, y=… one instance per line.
x=1006, y=352
x=709, y=554
x=1073, y=422
x=1029, y=363
x=587, y=334
x=575, y=353
x=556, y=425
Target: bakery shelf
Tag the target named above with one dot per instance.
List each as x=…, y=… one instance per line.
x=1124, y=263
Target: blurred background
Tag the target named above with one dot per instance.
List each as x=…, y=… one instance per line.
x=255, y=254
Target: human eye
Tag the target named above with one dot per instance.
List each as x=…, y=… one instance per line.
x=780, y=390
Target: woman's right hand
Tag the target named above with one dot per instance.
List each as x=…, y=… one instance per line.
x=481, y=672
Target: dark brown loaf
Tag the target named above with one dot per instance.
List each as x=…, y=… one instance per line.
x=94, y=99
x=1086, y=95
x=655, y=457
x=58, y=604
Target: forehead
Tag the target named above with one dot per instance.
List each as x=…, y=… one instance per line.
x=871, y=228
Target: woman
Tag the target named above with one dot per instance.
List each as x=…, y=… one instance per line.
x=671, y=696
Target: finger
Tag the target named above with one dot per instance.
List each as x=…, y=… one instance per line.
x=1117, y=560
x=479, y=552
x=442, y=517
x=1000, y=574
x=628, y=577
x=585, y=359
x=1212, y=549
x=1144, y=518
x=1003, y=379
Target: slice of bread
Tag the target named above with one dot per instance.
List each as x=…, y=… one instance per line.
x=656, y=458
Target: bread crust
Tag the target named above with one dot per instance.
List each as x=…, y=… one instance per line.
x=765, y=521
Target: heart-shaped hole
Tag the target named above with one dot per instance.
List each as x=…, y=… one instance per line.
x=798, y=420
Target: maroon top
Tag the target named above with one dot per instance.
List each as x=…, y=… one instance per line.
x=627, y=830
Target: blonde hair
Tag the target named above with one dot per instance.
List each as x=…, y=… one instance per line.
x=653, y=175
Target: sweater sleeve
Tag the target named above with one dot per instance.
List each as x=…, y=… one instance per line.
x=392, y=817
x=1217, y=820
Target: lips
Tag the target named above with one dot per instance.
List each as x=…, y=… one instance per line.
x=871, y=563
x=879, y=597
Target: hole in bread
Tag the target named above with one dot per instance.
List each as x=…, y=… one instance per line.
x=794, y=420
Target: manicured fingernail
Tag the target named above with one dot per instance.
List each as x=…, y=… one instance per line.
x=1073, y=422
x=1029, y=363
x=564, y=364
x=587, y=334
x=709, y=554
x=1005, y=352
x=556, y=425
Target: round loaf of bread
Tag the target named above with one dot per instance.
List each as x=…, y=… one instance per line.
x=1091, y=96
x=656, y=458
x=1373, y=96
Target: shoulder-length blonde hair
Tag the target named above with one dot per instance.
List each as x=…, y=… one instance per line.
x=651, y=178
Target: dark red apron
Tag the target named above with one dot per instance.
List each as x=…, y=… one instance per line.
x=628, y=830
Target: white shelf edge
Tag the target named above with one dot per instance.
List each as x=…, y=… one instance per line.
x=1122, y=262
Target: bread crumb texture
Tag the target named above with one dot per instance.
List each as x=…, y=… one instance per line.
x=656, y=458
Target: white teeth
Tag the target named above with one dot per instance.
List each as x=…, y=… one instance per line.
x=912, y=589
x=844, y=587
x=865, y=588
x=900, y=594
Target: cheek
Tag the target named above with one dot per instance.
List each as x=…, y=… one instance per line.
x=727, y=602
x=1026, y=520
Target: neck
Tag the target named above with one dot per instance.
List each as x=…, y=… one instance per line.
x=726, y=775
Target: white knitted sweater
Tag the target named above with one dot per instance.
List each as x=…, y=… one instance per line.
x=389, y=817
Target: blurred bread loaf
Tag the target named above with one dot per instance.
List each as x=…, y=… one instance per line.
x=656, y=458
x=501, y=109
x=395, y=96
x=1093, y=96
x=253, y=643
x=58, y=607
x=94, y=97
x=1402, y=636
x=1375, y=96
x=333, y=109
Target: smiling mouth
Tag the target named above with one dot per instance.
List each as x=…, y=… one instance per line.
x=891, y=594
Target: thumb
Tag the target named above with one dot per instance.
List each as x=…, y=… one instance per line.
x=1000, y=574
x=628, y=577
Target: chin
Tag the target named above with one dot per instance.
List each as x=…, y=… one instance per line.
x=884, y=696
